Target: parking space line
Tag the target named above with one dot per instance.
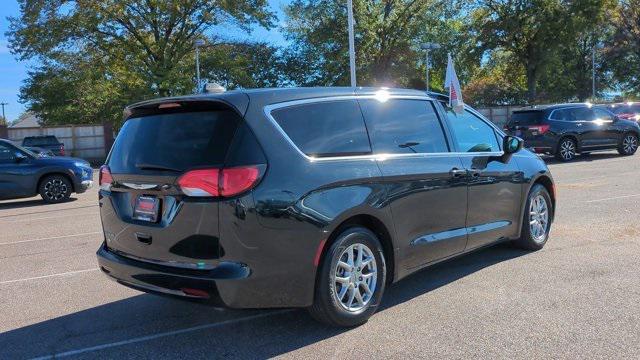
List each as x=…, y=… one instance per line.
x=51, y=217
x=51, y=238
x=162, y=335
x=613, y=198
x=48, y=276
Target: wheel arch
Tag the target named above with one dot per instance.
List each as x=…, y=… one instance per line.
x=376, y=226
x=546, y=181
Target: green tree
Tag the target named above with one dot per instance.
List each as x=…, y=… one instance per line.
x=534, y=31
x=622, y=50
x=245, y=65
x=97, y=55
x=388, y=35
x=499, y=81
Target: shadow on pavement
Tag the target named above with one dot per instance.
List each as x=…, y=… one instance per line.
x=267, y=336
x=583, y=158
x=29, y=203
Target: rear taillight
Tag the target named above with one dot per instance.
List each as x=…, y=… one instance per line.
x=238, y=180
x=541, y=129
x=104, y=178
x=201, y=183
x=61, y=149
x=219, y=182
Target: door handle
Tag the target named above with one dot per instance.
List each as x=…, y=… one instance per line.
x=475, y=173
x=457, y=173
x=579, y=124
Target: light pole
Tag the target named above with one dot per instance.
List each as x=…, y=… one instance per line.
x=352, y=46
x=593, y=72
x=428, y=47
x=198, y=43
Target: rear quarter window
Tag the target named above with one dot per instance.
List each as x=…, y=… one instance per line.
x=328, y=128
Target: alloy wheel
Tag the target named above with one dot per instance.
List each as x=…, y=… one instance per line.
x=538, y=218
x=354, y=277
x=630, y=144
x=568, y=149
x=55, y=189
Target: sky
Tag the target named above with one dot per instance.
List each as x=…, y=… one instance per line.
x=14, y=72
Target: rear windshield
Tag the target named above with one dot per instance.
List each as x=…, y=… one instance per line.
x=173, y=142
x=35, y=141
x=533, y=117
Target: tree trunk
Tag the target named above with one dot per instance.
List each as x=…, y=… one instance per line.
x=532, y=83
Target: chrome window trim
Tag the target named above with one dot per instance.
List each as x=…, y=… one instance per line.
x=372, y=157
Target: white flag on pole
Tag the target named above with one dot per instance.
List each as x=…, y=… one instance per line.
x=453, y=84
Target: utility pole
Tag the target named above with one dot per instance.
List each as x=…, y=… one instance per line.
x=198, y=43
x=428, y=47
x=4, y=117
x=352, y=46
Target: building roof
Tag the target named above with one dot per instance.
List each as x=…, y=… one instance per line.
x=26, y=120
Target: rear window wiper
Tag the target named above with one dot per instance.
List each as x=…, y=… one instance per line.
x=145, y=166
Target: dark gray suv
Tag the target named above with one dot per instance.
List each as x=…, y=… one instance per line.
x=565, y=130
x=315, y=198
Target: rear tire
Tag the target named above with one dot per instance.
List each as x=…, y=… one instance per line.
x=629, y=145
x=536, y=222
x=351, y=265
x=566, y=150
x=55, y=189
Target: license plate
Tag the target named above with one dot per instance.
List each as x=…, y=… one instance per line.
x=146, y=208
x=534, y=132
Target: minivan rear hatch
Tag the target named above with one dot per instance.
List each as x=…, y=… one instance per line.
x=159, y=188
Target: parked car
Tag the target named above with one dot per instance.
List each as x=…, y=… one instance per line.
x=40, y=151
x=565, y=130
x=48, y=142
x=626, y=111
x=25, y=174
x=315, y=198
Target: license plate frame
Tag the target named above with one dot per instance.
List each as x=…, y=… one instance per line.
x=146, y=208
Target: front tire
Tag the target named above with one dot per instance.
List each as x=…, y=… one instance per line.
x=537, y=219
x=629, y=145
x=351, y=279
x=55, y=189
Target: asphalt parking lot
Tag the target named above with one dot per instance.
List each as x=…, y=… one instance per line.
x=577, y=298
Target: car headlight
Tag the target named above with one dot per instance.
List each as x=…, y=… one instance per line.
x=81, y=164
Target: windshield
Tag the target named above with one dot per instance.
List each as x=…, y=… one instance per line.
x=25, y=150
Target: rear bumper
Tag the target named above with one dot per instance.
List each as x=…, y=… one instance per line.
x=203, y=285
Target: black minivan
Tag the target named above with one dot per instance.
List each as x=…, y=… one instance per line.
x=564, y=130
x=310, y=197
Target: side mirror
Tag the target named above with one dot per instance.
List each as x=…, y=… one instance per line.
x=20, y=157
x=512, y=144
